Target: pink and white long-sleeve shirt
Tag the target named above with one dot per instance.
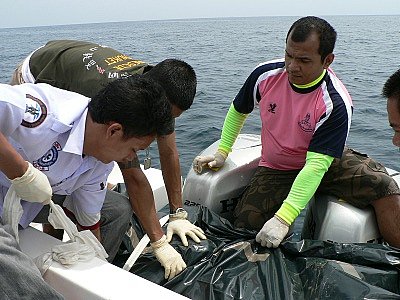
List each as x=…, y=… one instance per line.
x=296, y=120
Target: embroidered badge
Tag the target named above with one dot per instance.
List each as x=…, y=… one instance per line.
x=49, y=158
x=305, y=124
x=35, y=112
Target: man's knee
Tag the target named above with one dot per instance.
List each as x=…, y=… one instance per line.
x=117, y=205
x=250, y=219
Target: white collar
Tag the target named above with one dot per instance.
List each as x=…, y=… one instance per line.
x=76, y=137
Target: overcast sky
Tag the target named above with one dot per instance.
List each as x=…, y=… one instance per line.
x=22, y=13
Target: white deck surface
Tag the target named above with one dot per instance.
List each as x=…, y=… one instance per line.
x=91, y=280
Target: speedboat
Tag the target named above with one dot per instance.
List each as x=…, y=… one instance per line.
x=337, y=251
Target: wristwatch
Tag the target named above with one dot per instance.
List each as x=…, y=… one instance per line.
x=179, y=214
x=178, y=210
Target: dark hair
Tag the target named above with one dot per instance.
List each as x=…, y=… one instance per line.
x=139, y=104
x=392, y=86
x=178, y=80
x=304, y=27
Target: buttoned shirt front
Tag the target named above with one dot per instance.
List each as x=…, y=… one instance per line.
x=46, y=125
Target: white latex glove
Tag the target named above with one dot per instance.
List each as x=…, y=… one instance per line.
x=213, y=162
x=169, y=258
x=33, y=186
x=273, y=232
x=178, y=224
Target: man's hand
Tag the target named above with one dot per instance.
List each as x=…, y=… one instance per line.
x=178, y=224
x=169, y=258
x=33, y=186
x=273, y=232
x=213, y=162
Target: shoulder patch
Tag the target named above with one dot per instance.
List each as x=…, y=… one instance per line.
x=35, y=112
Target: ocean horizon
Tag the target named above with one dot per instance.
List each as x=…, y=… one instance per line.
x=223, y=52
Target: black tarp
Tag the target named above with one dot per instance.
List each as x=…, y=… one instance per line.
x=231, y=265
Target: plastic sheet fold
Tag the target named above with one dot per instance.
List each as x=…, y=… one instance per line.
x=231, y=265
x=82, y=246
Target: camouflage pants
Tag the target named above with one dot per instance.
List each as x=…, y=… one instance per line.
x=355, y=178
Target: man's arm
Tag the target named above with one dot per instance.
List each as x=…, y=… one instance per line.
x=29, y=183
x=233, y=124
x=178, y=223
x=141, y=198
x=11, y=162
x=170, y=167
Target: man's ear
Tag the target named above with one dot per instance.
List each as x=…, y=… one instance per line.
x=115, y=130
x=328, y=60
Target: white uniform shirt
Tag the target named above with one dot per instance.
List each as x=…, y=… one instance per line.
x=46, y=125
